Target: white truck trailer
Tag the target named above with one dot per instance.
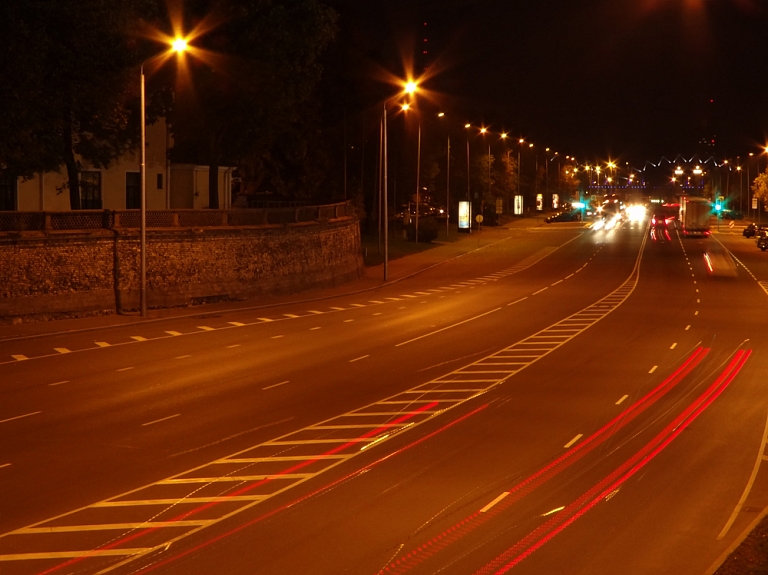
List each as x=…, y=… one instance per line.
x=694, y=215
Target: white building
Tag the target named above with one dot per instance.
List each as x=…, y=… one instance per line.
x=169, y=186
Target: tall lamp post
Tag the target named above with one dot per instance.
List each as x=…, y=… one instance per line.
x=179, y=45
x=519, y=166
x=447, y=180
x=409, y=87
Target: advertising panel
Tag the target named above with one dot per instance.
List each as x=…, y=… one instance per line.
x=465, y=216
x=539, y=202
x=555, y=201
x=518, y=205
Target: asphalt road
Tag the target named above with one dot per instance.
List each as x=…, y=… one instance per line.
x=556, y=400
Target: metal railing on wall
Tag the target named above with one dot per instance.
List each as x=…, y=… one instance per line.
x=128, y=219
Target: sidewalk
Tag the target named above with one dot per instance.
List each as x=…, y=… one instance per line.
x=373, y=278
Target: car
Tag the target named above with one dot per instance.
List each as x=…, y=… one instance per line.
x=719, y=264
x=573, y=216
x=762, y=241
x=732, y=215
x=659, y=220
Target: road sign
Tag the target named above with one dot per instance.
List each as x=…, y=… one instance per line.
x=479, y=218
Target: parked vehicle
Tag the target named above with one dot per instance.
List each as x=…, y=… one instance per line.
x=751, y=230
x=762, y=241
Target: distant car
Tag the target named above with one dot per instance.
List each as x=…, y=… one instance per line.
x=762, y=241
x=659, y=221
x=574, y=216
x=732, y=215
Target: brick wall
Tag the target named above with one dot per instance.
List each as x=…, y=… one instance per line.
x=76, y=272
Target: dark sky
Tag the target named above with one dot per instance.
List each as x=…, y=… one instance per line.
x=639, y=79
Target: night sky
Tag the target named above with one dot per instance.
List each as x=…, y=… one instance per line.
x=636, y=79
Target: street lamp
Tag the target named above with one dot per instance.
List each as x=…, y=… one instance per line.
x=447, y=180
x=521, y=141
x=409, y=87
x=178, y=45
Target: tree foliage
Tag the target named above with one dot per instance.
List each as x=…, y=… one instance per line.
x=760, y=186
x=251, y=104
x=68, y=94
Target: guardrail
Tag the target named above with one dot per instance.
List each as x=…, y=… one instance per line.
x=128, y=219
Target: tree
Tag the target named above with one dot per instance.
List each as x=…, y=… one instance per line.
x=569, y=182
x=70, y=85
x=759, y=187
x=250, y=104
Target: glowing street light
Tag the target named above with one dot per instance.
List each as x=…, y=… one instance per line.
x=178, y=45
x=410, y=87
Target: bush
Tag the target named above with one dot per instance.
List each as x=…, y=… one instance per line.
x=427, y=230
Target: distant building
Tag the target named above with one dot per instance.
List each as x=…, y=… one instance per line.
x=169, y=186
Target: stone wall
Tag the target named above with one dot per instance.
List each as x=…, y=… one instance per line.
x=86, y=271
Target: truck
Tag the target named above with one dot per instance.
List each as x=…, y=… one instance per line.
x=694, y=216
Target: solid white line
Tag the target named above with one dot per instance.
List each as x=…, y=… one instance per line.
x=574, y=440
x=622, y=400
x=541, y=290
x=358, y=358
x=276, y=384
x=448, y=327
x=159, y=420
x=653, y=369
x=494, y=502
x=20, y=416
x=517, y=301
x=59, y=382
x=748, y=487
x=102, y=343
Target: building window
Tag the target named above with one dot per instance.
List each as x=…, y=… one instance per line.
x=132, y=190
x=7, y=191
x=90, y=190
x=159, y=181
